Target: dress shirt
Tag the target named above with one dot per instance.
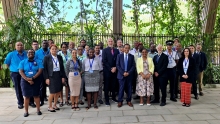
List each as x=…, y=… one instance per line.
x=151, y=55
x=13, y=59
x=40, y=54
x=33, y=67
x=171, y=58
x=133, y=51
x=56, y=63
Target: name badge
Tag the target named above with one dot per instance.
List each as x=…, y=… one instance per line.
x=56, y=69
x=185, y=70
x=90, y=71
x=76, y=73
x=170, y=61
x=30, y=72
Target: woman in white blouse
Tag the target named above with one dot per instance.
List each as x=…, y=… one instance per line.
x=91, y=67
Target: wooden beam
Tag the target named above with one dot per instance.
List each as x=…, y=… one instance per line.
x=209, y=15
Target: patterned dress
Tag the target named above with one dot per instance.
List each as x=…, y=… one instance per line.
x=145, y=87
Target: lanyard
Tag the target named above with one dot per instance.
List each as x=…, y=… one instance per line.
x=55, y=62
x=170, y=56
x=186, y=62
x=30, y=65
x=91, y=63
x=45, y=53
x=75, y=65
x=66, y=56
x=20, y=57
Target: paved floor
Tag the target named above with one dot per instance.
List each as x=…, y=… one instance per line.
x=204, y=111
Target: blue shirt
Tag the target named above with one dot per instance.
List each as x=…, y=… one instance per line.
x=13, y=59
x=30, y=68
x=40, y=54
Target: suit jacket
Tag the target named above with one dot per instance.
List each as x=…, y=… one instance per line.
x=109, y=60
x=140, y=66
x=190, y=72
x=197, y=61
x=161, y=65
x=121, y=66
x=48, y=66
x=203, y=61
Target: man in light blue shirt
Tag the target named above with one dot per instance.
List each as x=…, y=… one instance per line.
x=12, y=61
x=39, y=55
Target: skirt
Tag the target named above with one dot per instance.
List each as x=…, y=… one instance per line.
x=55, y=85
x=186, y=92
x=30, y=90
x=92, y=81
x=74, y=84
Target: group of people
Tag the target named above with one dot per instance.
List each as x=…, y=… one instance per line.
x=83, y=71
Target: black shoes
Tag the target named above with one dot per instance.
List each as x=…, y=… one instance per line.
x=136, y=97
x=32, y=105
x=51, y=110
x=116, y=101
x=39, y=113
x=20, y=106
x=100, y=101
x=162, y=104
x=45, y=99
x=196, y=97
x=173, y=99
x=154, y=101
x=41, y=104
x=201, y=93
x=26, y=114
x=107, y=104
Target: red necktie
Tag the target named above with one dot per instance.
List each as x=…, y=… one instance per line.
x=112, y=51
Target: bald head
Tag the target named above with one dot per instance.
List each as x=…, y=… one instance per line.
x=19, y=46
x=159, y=48
x=110, y=42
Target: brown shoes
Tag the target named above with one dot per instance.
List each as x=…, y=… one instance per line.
x=130, y=104
x=119, y=104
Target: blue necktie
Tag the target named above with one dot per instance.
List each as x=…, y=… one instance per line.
x=158, y=57
x=126, y=62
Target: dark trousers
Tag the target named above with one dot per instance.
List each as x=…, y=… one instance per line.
x=134, y=81
x=176, y=91
x=16, y=79
x=109, y=84
x=194, y=85
x=171, y=72
x=163, y=88
x=156, y=89
x=125, y=84
x=43, y=87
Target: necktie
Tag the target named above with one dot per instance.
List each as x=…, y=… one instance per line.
x=126, y=62
x=158, y=57
x=112, y=51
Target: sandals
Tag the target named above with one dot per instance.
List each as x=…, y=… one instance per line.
x=77, y=108
x=88, y=107
x=61, y=104
x=81, y=102
x=187, y=105
x=95, y=107
x=184, y=104
x=67, y=103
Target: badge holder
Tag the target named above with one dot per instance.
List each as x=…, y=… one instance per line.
x=90, y=71
x=30, y=72
x=76, y=73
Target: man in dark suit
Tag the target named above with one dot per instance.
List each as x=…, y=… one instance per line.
x=126, y=66
x=197, y=61
x=109, y=56
x=160, y=76
x=202, y=67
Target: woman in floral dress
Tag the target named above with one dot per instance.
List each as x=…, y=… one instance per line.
x=145, y=69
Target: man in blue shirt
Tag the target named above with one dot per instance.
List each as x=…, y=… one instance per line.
x=12, y=61
x=39, y=55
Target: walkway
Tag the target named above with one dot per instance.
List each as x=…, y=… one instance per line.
x=204, y=111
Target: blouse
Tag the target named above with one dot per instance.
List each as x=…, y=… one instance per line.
x=65, y=57
x=73, y=67
x=95, y=63
x=56, y=64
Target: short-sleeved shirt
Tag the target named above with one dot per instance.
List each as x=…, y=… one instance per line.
x=81, y=58
x=30, y=68
x=40, y=54
x=133, y=51
x=151, y=55
x=171, y=58
x=65, y=57
x=13, y=59
x=100, y=58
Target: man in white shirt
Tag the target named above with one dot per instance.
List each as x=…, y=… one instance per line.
x=171, y=68
x=99, y=55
